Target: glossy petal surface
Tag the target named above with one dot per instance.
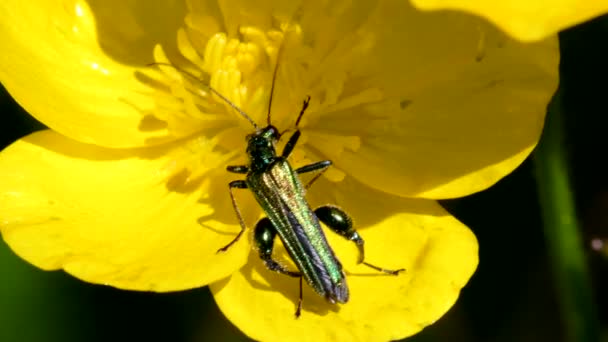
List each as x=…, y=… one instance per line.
x=72, y=65
x=125, y=218
x=443, y=104
x=439, y=253
x=525, y=20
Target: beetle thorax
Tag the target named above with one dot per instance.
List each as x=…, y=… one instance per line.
x=260, y=148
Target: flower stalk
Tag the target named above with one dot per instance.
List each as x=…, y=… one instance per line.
x=563, y=236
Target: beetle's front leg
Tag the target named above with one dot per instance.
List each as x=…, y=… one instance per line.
x=241, y=169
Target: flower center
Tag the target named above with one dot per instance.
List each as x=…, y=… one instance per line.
x=240, y=65
x=238, y=71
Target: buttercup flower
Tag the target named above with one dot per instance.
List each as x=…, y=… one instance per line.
x=128, y=187
x=525, y=20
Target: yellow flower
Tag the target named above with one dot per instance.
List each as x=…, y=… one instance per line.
x=128, y=187
x=525, y=20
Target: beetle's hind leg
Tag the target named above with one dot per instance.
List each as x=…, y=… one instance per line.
x=264, y=240
x=339, y=221
x=264, y=235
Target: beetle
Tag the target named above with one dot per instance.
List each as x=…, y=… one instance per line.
x=279, y=191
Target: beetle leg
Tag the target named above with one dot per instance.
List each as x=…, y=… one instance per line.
x=264, y=235
x=322, y=166
x=242, y=169
x=293, y=140
x=338, y=221
x=238, y=184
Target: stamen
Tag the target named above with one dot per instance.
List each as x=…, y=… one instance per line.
x=186, y=48
x=239, y=64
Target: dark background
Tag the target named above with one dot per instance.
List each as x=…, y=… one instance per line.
x=511, y=297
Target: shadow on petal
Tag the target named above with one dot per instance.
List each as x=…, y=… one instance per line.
x=107, y=216
x=287, y=288
x=365, y=205
x=128, y=30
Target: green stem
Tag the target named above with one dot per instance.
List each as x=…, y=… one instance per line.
x=564, y=241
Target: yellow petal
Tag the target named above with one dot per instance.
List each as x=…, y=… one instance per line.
x=525, y=20
x=66, y=57
x=117, y=217
x=463, y=106
x=439, y=253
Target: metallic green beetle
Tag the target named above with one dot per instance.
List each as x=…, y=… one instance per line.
x=279, y=191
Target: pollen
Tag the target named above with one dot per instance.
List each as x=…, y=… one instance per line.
x=239, y=68
x=239, y=63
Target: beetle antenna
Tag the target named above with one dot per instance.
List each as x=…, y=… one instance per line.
x=274, y=78
x=225, y=99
